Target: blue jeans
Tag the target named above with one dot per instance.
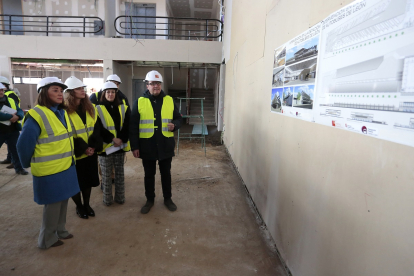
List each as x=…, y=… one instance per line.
x=11, y=139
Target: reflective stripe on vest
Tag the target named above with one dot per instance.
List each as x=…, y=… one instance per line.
x=54, y=148
x=108, y=122
x=146, y=113
x=12, y=92
x=12, y=103
x=80, y=130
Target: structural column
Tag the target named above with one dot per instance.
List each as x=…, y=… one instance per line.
x=110, y=15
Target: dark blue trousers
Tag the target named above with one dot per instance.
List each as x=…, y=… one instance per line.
x=11, y=140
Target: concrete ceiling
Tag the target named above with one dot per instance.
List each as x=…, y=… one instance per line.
x=206, y=9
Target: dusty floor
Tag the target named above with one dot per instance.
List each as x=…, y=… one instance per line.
x=213, y=232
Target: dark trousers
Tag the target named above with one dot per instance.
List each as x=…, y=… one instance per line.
x=149, y=179
x=11, y=140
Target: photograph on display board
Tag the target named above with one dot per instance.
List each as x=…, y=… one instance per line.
x=278, y=67
x=303, y=96
x=279, y=59
x=278, y=76
x=287, y=96
x=303, y=51
x=301, y=73
x=366, y=70
x=276, y=100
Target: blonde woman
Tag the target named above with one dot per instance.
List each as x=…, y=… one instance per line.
x=87, y=140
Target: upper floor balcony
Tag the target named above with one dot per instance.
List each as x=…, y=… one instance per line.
x=160, y=19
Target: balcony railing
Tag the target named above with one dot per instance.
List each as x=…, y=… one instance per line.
x=169, y=27
x=145, y=27
x=16, y=24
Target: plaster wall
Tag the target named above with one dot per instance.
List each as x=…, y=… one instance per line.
x=110, y=48
x=335, y=202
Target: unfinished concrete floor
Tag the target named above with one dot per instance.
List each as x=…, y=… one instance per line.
x=213, y=232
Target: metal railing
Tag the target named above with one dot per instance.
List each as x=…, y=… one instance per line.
x=170, y=27
x=50, y=24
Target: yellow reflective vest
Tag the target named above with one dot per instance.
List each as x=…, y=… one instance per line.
x=108, y=123
x=146, y=114
x=54, y=148
x=81, y=130
x=12, y=103
x=7, y=93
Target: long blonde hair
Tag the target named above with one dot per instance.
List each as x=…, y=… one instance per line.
x=85, y=103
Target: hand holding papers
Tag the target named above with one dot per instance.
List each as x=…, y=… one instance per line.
x=8, y=110
x=113, y=149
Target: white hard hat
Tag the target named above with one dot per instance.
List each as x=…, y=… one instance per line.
x=48, y=81
x=109, y=85
x=73, y=82
x=113, y=77
x=153, y=76
x=4, y=80
x=2, y=86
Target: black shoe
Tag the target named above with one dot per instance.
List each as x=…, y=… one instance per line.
x=5, y=161
x=58, y=243
x=11, y=166
x=89, y=211
x=147, y=207
x=170, y=205
x=120, y=202
x=81, y=213
x=22, y=172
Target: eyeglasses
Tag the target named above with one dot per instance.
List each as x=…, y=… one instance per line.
x=156, y=83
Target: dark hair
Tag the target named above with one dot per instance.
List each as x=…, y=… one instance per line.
x=85, y=103
x=104, y=100
x=44, y=100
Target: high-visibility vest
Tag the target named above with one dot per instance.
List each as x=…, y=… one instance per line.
x=108, y=123
x=146, y=113
x=54, y=148
x=97, y=99
x=81, y=130
x=7, y=93
x=13, y=105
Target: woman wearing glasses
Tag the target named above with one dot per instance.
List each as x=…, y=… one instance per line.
x=114, y=119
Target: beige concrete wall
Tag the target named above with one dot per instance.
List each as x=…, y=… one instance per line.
x=110, y=48
x=335, y=202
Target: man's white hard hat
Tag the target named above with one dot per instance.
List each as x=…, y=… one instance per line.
x=113, y=77
x=4, y=80
x=49, y=81
x=153, y=76
x=2, y=86
x=109, y=85
x=73, y=82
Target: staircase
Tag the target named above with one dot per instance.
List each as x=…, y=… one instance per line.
x=175, y=94
x=208, y=106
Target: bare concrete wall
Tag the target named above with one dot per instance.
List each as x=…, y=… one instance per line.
x=335, y=202
x=110, y=48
